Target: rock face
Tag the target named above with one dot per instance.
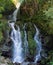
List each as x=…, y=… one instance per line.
x=6, y=49
x=6, y=54
x=4, y=61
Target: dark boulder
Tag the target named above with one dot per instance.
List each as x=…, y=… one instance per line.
x=6, y=54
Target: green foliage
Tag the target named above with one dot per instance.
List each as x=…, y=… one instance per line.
x=51, y=63
x=41, y=17
x=1, y=9
x=49, y=13
x=1, y=36
x=0, y=15
x=32, y=43
x=6, y=6
x=3, y=27
x=50, y=58
x=38, y=12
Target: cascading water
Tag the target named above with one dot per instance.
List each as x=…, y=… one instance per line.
x=15, y=12
x=17, y=50
x=17, y=44
x=25, y=42
x=39, y=46
x=13, y=17
x=17, y=55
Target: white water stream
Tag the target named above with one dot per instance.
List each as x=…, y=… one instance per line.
x=39, y=46
x=17, y=55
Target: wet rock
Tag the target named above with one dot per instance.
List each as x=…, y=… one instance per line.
x=31, y=63
x=8, y=43
x=25, y=63
x=17, y=64
x=30, y=59
x=6, y=54
x=5, y=48
x=5, y=34
x=5, y=61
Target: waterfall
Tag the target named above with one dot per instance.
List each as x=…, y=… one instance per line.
x=38, y=43
x=15, y=12
x=17, y=52
x=17, y=44
x=25, y=42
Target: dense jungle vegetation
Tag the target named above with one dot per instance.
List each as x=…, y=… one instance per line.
x=38, y=12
